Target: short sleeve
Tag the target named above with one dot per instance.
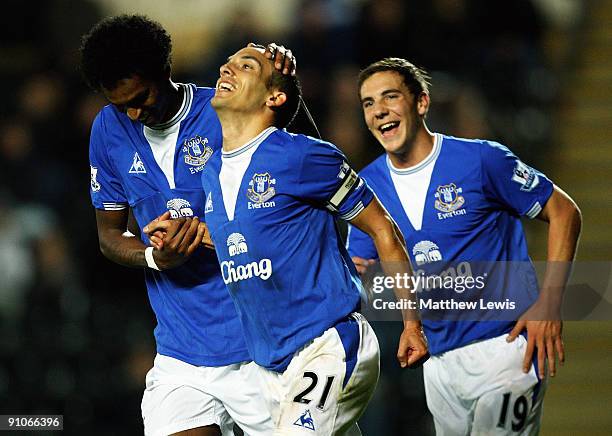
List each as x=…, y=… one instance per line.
x=512, y=183
x=105, y=187
x=325, y=177
x=360, y=244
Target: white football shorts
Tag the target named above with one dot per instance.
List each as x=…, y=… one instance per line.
x=179, y=396
x=327, y=385
x=481, y=389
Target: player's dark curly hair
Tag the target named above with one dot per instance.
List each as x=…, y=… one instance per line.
x=416, y=79
x=121, y=46
x=290, y=85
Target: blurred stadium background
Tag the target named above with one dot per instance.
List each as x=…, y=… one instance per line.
x=76, y=330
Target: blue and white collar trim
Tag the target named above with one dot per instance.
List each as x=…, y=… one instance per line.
x=183, y=110
x=431, y=157
x=250, y=144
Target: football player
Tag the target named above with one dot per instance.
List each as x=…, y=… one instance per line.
x=272, y=200
x=459, y=202
x=147, y=151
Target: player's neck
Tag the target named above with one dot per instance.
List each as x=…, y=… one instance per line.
x=238, y=130
x=175, y=95
x=415, y=151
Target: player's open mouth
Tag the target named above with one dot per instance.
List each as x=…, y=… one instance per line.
x=225, y=86
x=389, y=129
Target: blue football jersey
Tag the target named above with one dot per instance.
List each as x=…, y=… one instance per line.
x=477, y=193
x=276, y=238
x=154, y=170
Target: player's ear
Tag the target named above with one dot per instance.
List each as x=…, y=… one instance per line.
x=275, y=99
x=423, y=104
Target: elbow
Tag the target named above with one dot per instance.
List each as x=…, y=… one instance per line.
x=573, y=215
x=566, y=211
x=577, y=217
x=104, y=248
x=570, y=218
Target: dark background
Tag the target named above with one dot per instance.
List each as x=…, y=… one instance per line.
x=76, y=330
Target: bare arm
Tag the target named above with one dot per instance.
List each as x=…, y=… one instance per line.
x=114, y=245
x=564, y=224
x=132, y=224
x=378, y=224
x=543, y=319
x=181, y=238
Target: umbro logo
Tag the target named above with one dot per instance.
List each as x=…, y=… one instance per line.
x=137, y=165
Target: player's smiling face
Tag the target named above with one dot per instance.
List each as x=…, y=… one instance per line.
x=390, y=110
x=139, y=98
x=242, y=82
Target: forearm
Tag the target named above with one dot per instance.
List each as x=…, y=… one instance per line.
x=395, y=263
x=124, y=250
x=389, y=242
x=564, y=224
x=378, y=224
x=563, y=234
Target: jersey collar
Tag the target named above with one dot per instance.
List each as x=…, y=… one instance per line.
x=182, y=112
x=431, y=157
x=250, y=144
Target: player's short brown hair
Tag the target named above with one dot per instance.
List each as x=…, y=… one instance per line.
x=416, y=79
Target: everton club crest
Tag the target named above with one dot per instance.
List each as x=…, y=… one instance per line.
x=261, y=190
x=449, y=201
x=197, y=151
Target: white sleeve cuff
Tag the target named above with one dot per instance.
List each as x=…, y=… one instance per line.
x=149, y=258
